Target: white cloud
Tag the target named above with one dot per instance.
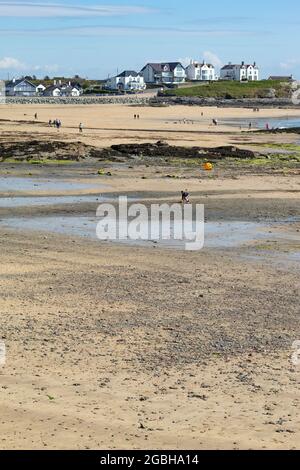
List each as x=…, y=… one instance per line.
x=125, y=30
x=212, y=58
x=13, y=64
x=290, y=64
x=29, y=9
x=10, y=63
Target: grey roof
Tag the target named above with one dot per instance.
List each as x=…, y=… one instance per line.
x=128, y=73
x=232, y=66
x=159, y=67
x=12, y=83
x=200, y=64
x=52, y=88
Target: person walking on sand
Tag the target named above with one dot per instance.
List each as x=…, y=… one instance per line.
x=81, y=127
x=35, y=116
x=250, y=126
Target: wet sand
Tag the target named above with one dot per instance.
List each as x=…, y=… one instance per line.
x=110, y=347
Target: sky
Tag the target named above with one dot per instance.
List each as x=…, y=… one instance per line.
x=97, y=39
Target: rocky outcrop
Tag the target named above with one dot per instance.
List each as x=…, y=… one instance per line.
x=225, y=103
x=38, y=150
x=163, y=150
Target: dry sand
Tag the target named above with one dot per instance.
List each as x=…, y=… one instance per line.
x=108, y=124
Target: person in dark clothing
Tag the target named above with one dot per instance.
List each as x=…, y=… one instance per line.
x=185, y=196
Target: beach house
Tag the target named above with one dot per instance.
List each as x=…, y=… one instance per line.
x=52, y=91
x=68, y=89
x=40, y=89
x=200, y=71
x=129, y=80
x=240, y=72
x=164, y=73
x=21, y=87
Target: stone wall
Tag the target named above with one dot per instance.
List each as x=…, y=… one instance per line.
x=90, y=99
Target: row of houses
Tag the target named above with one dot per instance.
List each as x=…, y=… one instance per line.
x=24, y=87
x=174, y=73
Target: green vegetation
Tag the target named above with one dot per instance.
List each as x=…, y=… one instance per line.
x=233, y=90
x=289, y=147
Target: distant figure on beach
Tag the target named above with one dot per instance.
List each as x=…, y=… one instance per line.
x=250, y=126
x=215, y=122
x=267, y=126
x=50, y=123
x=81, y=127
x=185, y=197
x=35, y=116
x=135, y=116
x=138, y=116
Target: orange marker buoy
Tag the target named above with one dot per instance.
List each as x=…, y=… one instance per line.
x=208, y=166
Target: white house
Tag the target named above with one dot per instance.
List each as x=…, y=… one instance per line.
x=63, y=89
x=200, y=71
x=40, y=89
x=240, y=72
x=52, y=91
x=164, y=73
x=129, y=80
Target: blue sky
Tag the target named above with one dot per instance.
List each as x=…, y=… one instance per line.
x=95, y=39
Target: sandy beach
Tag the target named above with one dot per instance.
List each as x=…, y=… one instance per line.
x=113, y=346
x=107, y=124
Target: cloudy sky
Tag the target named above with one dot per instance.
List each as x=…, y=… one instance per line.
x=95, y=39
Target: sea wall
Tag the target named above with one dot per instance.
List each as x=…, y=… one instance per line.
x=88, y=100
x=150, y=99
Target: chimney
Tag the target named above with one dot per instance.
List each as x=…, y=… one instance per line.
x=243, y=63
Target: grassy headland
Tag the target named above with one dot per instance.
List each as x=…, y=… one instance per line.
x=235, y=90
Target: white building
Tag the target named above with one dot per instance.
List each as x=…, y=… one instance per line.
x=200, y=71
x=52, y=91
x=129, y=80
x=63, y=89
x=240, y=72
x=40, y=89
x=164, y=73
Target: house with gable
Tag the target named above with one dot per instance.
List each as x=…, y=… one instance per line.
x=240, y=72
x=168, y=73
x=21, y=87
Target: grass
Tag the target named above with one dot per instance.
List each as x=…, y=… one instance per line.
x=36, y=162
x=291, y=147
x=234, y=90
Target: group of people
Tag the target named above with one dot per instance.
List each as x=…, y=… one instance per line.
x=136, y=116
x=56, y=123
